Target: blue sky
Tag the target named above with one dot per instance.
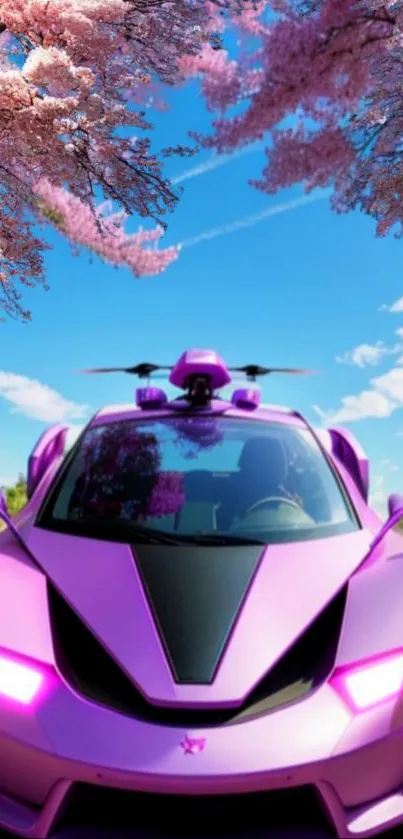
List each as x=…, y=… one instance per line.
x=261, y=279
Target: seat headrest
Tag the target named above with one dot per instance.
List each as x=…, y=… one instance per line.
x=264, y=453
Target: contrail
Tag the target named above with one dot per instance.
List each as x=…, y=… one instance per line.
x=250, y=221
x=215, y=162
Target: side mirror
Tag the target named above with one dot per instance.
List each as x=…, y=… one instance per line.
x=395, y=510
x=395, y=503
x=348, y=450
x=49, y=447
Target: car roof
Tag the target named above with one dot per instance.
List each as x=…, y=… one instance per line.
x=265, y=412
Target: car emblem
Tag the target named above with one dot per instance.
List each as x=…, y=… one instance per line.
x=192, y=746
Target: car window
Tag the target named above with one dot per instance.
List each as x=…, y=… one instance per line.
x=198, y=475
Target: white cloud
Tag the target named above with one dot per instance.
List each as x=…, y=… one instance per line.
x=215, y=161
x=397, y=306
x=391, y=384
x=256, y=218
x=378, y=401
x=388, y=466
x=38, y=401
x=366, y=355
x=369, y=404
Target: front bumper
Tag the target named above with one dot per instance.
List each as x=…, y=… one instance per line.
x=54, y=757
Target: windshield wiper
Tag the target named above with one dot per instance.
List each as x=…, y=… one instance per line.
x=213, y=538
x=202, y=538
x=148, y=535
x=144, y=534
x=156, y=537
x=164, y=538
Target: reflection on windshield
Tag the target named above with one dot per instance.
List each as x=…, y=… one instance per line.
x=121, y=477
x=196, y=435
x=206, y=477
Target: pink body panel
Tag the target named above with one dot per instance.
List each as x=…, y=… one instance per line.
x=373, y=619
x=314, y=741
x=23, y=593
x=353, y=759
x=102, y=582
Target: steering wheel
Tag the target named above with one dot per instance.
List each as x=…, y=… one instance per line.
x=273, y=499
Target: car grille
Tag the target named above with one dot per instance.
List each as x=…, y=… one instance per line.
x=94, y=674
x=100, y=812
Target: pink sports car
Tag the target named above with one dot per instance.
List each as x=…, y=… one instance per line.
x=201, y=625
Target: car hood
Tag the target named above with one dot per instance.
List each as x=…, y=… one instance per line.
x=197, y=625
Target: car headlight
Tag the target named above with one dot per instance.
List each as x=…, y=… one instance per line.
x=369, y=683
x=20, y=679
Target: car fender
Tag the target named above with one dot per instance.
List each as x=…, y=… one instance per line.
x=373, y=620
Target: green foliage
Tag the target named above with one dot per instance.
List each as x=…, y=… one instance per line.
x=16, y=496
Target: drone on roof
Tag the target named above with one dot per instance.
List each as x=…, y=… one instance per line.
x=199, y=373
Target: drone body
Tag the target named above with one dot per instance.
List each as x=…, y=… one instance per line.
x=200, y=623
x=200, y=373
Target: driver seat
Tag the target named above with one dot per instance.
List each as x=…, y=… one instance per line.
x=262, y=472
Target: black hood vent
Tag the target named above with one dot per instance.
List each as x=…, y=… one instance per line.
x=93, y=673
x=195, y=594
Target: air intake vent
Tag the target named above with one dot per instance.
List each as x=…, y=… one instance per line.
x=154, y=816
x=93, y=673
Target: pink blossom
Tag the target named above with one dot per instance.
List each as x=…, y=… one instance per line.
x=336, y=66
x=311, y=157
x=197, y=434
x=220, y=85
x=73, y=73
x=104, y=235
x=14, y=91
x=167, y=496
x=122, y=477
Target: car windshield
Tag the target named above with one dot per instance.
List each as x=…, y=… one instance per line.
x=200, y=477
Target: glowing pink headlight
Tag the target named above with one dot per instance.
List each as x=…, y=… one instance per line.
x=370, y=683
x=19, y=681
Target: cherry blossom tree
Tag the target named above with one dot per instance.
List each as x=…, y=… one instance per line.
x=336, y=67
x=76, y=80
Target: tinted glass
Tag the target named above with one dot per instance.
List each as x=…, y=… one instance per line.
x=190, y=476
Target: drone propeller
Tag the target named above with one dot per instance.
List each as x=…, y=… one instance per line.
x=252, y=371
x=143, y=370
